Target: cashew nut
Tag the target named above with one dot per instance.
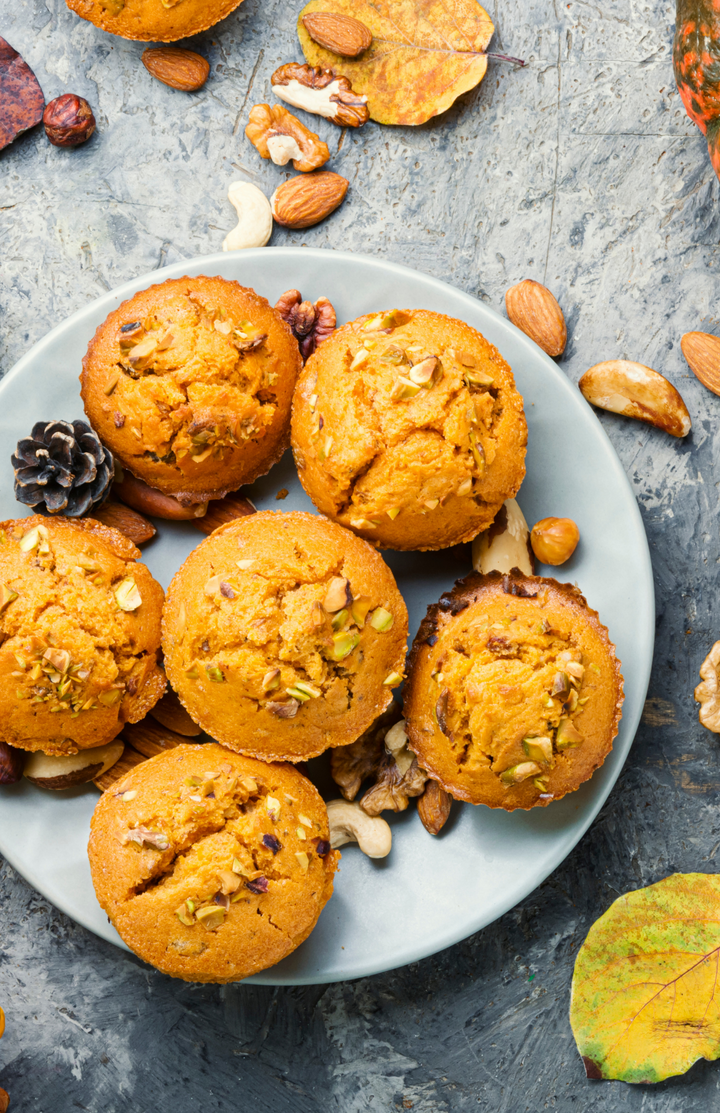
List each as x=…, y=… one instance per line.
x=349, y=823
x=506, y=544
x=255, y=223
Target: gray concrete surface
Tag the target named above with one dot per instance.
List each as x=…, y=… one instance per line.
x=581, y=171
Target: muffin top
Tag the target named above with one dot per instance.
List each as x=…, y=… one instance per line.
x=211, y=866
x=514, y=691
x=283, y=635
x=156, y=20
x=407, y=428
x=189, y=383
x=80, y=634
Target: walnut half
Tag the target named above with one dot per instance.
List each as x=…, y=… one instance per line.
x=310, y=324
x=321, y=91
x=399, y=776
x=278, y=135
x=708, y=694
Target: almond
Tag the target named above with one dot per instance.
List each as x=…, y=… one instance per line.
x=133, y=525
x=308, y=199
x=631, y=389
x=340, y=33
x=174, y=66
x=534, y=310
x=702, y=351
x=224, y=510
x=134, y=492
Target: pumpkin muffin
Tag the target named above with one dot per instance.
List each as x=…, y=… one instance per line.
x=79, y=634
x=514, y=691
x=407, y=428
x=283, y=635
x=154, y=20
x=189, y=384
x=212, y=866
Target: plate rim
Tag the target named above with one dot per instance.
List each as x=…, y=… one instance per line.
x=646, y=631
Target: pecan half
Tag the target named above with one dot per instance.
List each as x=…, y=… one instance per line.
x=310, y=323
x=278, y=135
x=320, y=91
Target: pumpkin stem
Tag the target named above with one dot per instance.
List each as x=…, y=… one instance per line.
x=506, y=58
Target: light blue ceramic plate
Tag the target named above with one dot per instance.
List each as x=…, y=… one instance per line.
x=430, y=892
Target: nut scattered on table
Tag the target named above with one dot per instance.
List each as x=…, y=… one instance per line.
x=702, y=352
x=434, y=807
x=21, y=98
x=171, y=714
x=12, y=762
x=310, y=323
x=534, y=310
x=224, y=510
x=349, y=823
x=135, y=526
x=708, y=693
x=278, y=135
x=69, y=770
x=306, y=200
x=633, y=390
x=68, y=121
x=177, y=67
x=254, y=213
x=506, y=544
x=320, y=91
x=147, y=500
x=554, y=540
x=343, y=34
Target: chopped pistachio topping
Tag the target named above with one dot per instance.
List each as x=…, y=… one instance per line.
x=340, y=619
x=359, y=609
x=297, y=694
x=381, y=620
x=343, y=644
x=307, y=689
x=393, y=512
x=212, y=586
x=303, y=860
x=517, y=773
x=392, y=679
x=405, y=389
x=271, y=680
x=211, y=916
x=465, y=488
x=127, y=596
x=304, y=820
x=112, y=383
x=567, y=735
x=7, y=595
x=539, y=749
x=360, y=359
x=301, y=833
x=214, y=673
x=273, y=806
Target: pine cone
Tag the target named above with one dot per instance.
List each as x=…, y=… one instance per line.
x=62, y=468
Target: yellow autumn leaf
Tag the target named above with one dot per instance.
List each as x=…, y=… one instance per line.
x=646, y=986
x=424, y=54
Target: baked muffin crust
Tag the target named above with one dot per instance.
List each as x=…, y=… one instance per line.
x=80, y=634
x=190, y=383
x=514, y=691
x=211, y=866
x=153, y=20
x=408, y=429
x=283, y=635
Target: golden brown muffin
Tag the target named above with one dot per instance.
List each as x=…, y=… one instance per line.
x=190, y=383
x=79, y=634
x=283, y=635
x=514, y=691
x=407, y=428
x=156, y=20
x=212, y=866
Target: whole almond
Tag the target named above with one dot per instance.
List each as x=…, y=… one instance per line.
x=174, y=66
x=224, y=510
x=133, y=525
x=147, y=500
x=306, y=200
x=535, y=311
x=702, y=351
x=340, y=33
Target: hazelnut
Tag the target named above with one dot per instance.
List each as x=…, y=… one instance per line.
x=68, y=120
x=12, y=762
x=554, y=540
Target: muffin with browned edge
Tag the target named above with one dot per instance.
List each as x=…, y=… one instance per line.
x=79, y=634
x=514, y=691
x=407, y=428
x=155, y=20
x=212, y=866
x=189, y=384
x=283, y=635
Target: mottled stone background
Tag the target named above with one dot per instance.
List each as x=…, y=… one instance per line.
x=581, y=171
